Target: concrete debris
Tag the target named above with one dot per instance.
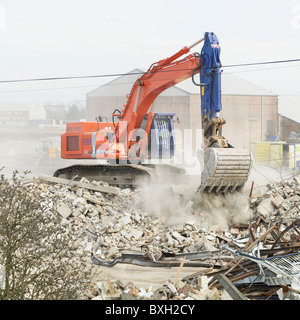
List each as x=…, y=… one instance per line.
x=167, y=291
x=113, y=229
x=64, y=210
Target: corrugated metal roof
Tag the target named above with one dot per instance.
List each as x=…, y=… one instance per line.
x=122, y=85
x=289, y=107
x=230, y=84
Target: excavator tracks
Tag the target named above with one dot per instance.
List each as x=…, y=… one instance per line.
x=225, y=170
x=121, y=175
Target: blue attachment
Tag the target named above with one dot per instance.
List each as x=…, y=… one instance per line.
x=210, y=76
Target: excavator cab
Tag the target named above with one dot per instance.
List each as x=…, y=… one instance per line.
x=161, y=139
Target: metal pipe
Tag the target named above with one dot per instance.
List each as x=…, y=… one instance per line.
x=193, y=45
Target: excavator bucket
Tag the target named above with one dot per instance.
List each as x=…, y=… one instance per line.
x=225, y=169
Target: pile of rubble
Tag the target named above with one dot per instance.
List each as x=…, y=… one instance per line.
x=182, y=290
x=112, y=228
x=115, y=225
x=280, y=202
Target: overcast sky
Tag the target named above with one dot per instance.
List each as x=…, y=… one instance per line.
x=51, y=38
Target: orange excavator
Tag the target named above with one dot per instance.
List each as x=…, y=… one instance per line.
x=136, y=134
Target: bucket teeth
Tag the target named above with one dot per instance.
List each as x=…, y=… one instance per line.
x=225, y=169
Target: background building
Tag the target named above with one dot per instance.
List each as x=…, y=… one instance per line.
x=289, y=115
x=250, y=111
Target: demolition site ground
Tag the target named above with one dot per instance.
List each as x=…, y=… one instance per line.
x=168, y=242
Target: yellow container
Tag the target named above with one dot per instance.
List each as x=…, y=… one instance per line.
x=294, y=155
x=262, y=151
x=276, y=155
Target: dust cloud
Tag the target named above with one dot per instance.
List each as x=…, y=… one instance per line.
x=178, y=204
x=33, y=148
x=222, y=210
x=163, y=202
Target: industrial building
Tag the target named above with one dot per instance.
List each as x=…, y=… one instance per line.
x=285, y=150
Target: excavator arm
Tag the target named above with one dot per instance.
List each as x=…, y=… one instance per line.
x=159, y=77
x=169, y=72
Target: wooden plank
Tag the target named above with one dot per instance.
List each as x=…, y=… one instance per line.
x=79, y=184
x=178, y=272
x=230, y=288
x=261, y=238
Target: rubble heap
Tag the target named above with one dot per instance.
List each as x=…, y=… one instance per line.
x=280, y=201
x=111, y=228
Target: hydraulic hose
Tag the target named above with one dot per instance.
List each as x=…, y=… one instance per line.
x=198, y=67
